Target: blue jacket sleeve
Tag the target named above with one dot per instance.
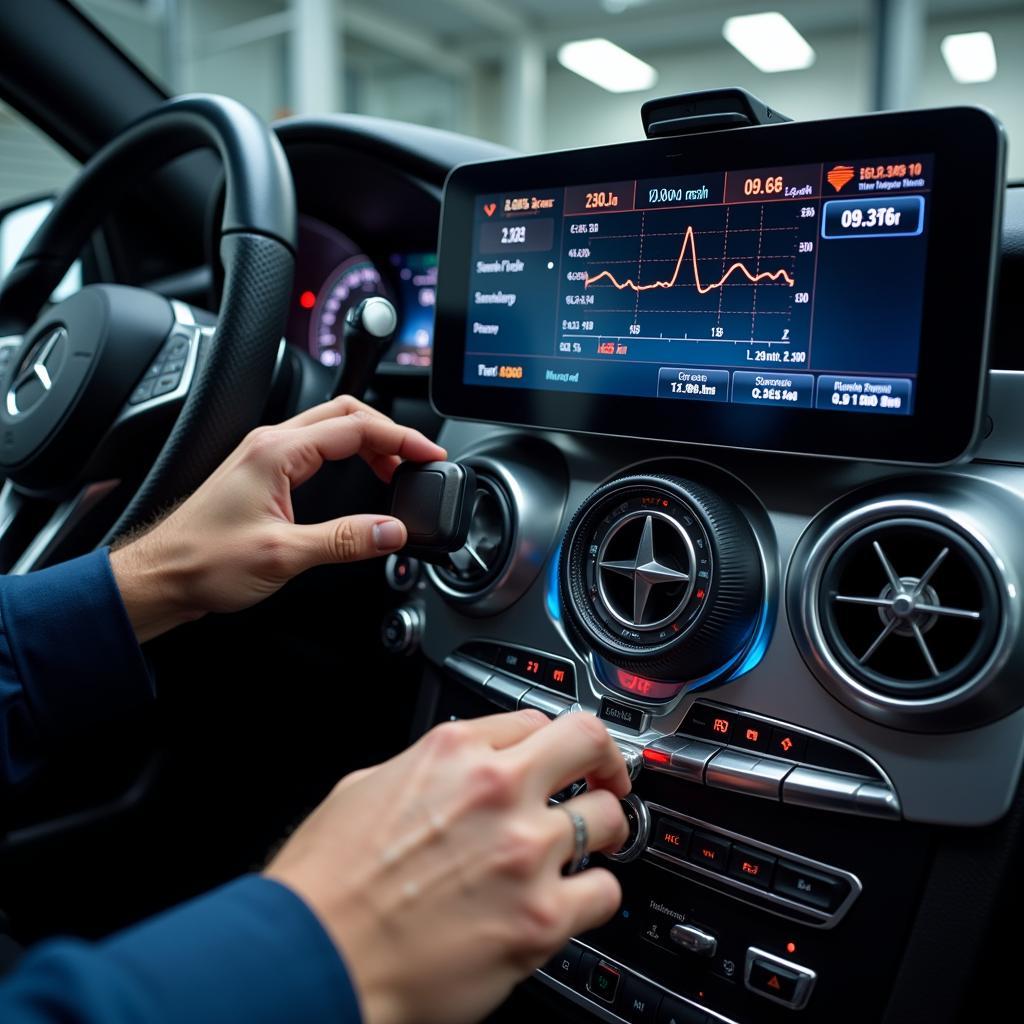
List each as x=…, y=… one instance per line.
x=249, y=953
x=68, y=658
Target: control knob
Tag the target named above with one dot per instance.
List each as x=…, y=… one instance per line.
x=401, y=629
x=639, y=820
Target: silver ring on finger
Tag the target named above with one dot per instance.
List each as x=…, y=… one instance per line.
x=581, y=840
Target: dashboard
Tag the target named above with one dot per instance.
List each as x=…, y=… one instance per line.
x=808, y=656
x=333, y=273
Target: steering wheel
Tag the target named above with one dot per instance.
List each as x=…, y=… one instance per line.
x=90, y=386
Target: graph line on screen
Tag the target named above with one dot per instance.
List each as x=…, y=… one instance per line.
x=690, y=243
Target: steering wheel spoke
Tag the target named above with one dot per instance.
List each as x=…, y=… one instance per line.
x=64, y=520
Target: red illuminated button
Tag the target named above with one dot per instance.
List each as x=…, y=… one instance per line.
x=671, y=837
x=709, y=723
x=788, y=743
x=772, y=980
x=560, y=676
x=709, y=851
x=750, y=734
x=751, y=866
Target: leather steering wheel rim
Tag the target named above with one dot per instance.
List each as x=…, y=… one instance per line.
x=234, y=371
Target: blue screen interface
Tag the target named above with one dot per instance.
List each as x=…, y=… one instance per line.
x=797, y=287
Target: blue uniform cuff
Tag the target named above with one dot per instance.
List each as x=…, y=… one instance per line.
x=72, y=644
x=251, y=951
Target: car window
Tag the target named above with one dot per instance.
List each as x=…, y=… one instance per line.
x=31, y=164
x=515, y=72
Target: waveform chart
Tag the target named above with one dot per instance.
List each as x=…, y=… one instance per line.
x=736, y=273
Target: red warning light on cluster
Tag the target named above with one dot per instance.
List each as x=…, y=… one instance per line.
x=307, y=299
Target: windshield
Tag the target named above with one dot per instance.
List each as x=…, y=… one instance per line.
x=536, y=75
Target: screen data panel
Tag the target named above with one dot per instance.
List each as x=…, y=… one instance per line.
x=798, y=304
x=795, y=287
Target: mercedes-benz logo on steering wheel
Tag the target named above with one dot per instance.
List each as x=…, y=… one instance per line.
x=662, y=580
x=37, y=371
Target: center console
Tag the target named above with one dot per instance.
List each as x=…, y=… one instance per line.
x=810, y=664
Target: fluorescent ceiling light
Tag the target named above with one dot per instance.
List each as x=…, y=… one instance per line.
x=769, y=41
x=602, y=62
x=618, y=6
x=970, y=56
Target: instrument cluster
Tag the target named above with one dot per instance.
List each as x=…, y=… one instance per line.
x=334, y=273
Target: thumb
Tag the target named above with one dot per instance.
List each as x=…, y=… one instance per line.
x=349, y=539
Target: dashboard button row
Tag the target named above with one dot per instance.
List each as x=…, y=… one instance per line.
x=781, y=876
x=506, y=692
x=538, y=668
x=752, y=733
x=622, y=994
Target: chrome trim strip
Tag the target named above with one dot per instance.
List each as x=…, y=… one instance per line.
x=819, y=918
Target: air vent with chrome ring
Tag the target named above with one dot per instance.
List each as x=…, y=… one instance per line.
x=906, y=612
x=521, y=484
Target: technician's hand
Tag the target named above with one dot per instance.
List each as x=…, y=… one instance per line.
x=235, y=540
x=437, y=873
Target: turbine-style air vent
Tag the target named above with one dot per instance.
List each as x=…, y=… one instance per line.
x=909, y=608
x=474, y=567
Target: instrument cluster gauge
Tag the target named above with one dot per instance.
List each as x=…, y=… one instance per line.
x=332, y=274
x=351, y=282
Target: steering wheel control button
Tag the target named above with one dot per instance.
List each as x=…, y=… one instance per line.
x=825, y=892
x=693, y=939
x=779, y=980
x=709, y=723
x=402, y=572
x=622, y=715
x=640, y=1001
x=709, y=851
x=604, y=981
x=751, y=866
x=661, y=577
x=166, y=384
x=746, y=773
x=565, y=965
x=750, y=734
x=142, y=392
